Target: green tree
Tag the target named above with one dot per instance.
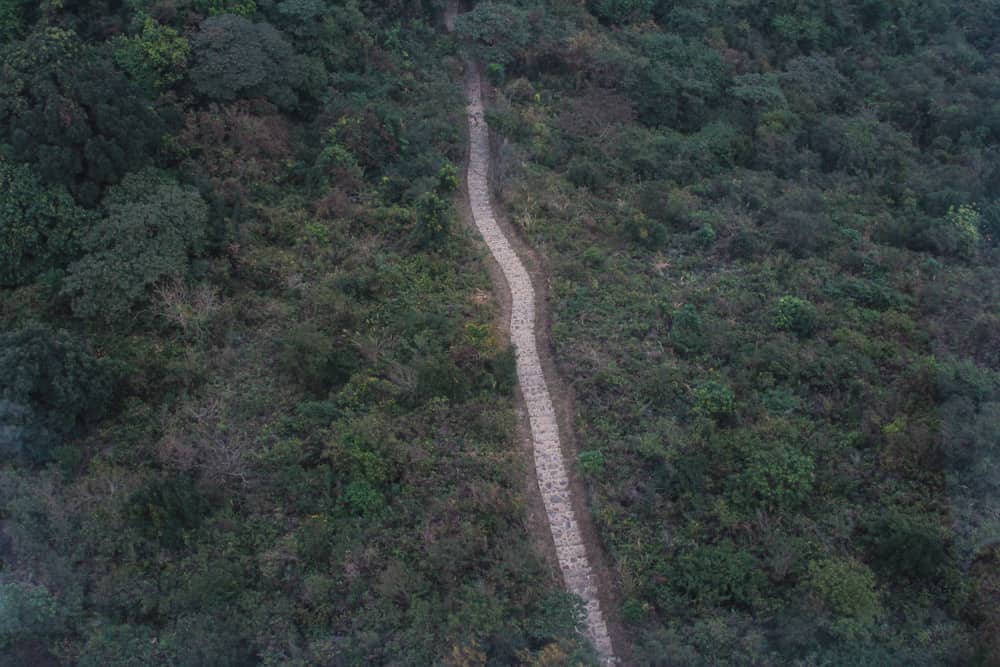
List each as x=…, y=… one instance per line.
x=156, y=58
x=69, y=111
x=152, y=230
x=40, y=226
x=500, y=32
x=234, y=57
x=51, y=387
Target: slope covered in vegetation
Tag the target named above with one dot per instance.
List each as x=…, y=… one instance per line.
x=253, y=407
x=772, y=229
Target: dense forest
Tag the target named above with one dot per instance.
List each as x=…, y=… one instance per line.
x=772, y=229
x=256, y=407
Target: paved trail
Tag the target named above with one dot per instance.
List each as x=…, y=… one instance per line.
x=549, y=465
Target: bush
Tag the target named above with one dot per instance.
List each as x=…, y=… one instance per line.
x=777, y=478
x=846, y=587
x=714, y=399
x=717, y=575
x=908, y=547
x=794, y=314
x=496, y=73
x=591, y=463
x=687, y=334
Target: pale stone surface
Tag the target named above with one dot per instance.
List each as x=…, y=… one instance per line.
x=549, y=465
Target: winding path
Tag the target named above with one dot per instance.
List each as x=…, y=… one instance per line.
x=549, y=465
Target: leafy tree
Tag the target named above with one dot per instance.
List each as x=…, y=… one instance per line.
x=68, y=110
x=40, y=226
x=51, y=387
x=234, y=57
x=152, y=230
x=14, y=17
x=156, y=58
x=500, y=31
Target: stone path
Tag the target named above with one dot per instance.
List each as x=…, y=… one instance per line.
x=549, y=465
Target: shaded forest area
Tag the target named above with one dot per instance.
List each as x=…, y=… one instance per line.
x=773, y=234
x=254, y=409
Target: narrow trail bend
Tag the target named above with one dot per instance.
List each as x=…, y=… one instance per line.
x=550, y=468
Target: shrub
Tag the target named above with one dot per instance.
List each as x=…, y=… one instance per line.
x=717, y=575
x=846, y=587
x=591, y=463
x=714, y=399
x=794, y=314
x=779, y=477
x=687, y=334
x=908, y=547
x=496, y=73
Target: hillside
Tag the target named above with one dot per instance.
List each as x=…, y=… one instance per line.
x=258, y=399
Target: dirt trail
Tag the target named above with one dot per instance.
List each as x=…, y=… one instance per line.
x=551, y=472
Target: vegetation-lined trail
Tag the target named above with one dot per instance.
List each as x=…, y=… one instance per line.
x=549, y=466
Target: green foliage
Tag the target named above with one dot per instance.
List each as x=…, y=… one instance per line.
x=591, y=463
x=163, y=510
x=687, y=332
x=13, y=18
x=847, y=589
x=236, y=58
x=51, y=387
x=796, y=315
x=622, y=11
x=496, y=73
x=40, y=227
x=433, y=221
x=558, y=614
x=716, y=575
x=152, y=230
x=644, y=231
x=964, y=222
x=363, y=498
x=245, y=8
x=500, y=31
x=714, y=399
x=910, y=547
x=779, y=477
x=156, y=58
x=29, y=612
x=66, y=109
